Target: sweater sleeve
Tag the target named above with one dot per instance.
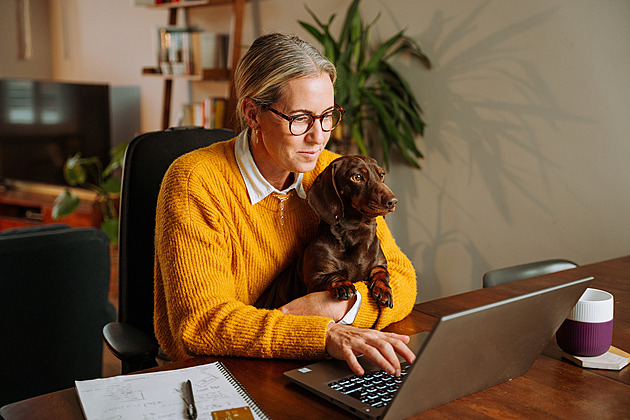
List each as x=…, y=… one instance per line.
x=402, y=280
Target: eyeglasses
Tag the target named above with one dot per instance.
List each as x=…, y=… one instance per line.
x=301, y=123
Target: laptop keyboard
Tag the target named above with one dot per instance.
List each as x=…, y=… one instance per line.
x=375, y=388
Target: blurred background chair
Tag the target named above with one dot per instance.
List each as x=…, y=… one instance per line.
x=524, y=271
x=132, y=339
x=54, y=298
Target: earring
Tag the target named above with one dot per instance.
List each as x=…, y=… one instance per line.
x=257, y=135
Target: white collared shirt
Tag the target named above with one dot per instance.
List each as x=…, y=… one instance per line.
x=258, y=188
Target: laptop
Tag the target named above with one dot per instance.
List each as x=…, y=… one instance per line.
x=465, y=352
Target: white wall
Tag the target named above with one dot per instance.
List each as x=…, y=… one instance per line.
x=108, y=41
x=527, y=151
x=25, y=46
x=527, y=148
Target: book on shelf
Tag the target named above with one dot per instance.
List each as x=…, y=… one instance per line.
x=209, y=113
x=217, y=394
x=187, y=51
x=211, y=49
x=174, y=52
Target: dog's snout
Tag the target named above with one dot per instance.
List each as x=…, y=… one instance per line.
x=391, y=203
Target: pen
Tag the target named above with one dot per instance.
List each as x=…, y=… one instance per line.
x=191, y=410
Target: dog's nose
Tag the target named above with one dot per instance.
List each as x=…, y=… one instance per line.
x=391, y=203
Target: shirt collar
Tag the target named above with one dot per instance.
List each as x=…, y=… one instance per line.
x=257, y=186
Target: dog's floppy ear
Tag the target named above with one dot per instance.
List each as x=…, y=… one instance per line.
x=323, y=196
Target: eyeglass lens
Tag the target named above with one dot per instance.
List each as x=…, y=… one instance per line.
x=303, y=123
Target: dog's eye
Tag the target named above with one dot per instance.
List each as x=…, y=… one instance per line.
x=357, y=177
x=382, y=175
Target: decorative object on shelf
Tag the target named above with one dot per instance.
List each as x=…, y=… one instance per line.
x=219, y=73
x=174, y=52
x=89, y=173
x=190, y=51
x=212, y=49
x=375, y=97
x=210, y=113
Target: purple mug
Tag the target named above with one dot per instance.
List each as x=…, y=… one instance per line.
x=587, y=331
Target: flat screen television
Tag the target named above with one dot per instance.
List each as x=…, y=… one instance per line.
x=42, y=123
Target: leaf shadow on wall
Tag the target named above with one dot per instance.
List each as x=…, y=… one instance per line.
x=474, y=131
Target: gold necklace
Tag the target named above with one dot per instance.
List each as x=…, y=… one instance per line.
x=282, y=198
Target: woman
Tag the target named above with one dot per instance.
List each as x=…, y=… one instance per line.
x=232, y=216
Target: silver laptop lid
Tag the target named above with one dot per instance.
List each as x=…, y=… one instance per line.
x=485, y=346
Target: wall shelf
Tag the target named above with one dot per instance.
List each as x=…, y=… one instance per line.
x=206, y=74
x=188, y=3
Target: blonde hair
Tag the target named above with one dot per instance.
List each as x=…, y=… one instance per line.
x=271, y=61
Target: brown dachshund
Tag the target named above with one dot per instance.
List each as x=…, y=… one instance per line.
x=347, y=196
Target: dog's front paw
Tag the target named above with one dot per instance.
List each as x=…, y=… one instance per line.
x=379, y=287
x=382, y=293
x=342, y=290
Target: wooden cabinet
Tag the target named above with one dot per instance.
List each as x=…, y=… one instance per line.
x=19, y=208
x=206, y=74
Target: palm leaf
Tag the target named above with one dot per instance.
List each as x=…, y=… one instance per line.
x=315, y=33
x=357, y=135
x=379, y=55
x=376, y=98
x=391, y=132
x=346, y=29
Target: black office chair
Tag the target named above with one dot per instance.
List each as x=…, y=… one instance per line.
x=524, y=271
x=54, y=286
x=132, y=338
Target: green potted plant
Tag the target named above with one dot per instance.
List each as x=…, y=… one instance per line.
x=89, y=173
x=374, y=95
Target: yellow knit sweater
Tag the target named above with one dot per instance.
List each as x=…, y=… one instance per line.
x=216, y=253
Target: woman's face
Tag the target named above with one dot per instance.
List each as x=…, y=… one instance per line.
x=278, y=153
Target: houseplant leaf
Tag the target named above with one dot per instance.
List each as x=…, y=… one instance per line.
x=117, y=155
x=88, y=173
x=74, y=172
x=110, y=227
x=379, y=54
x=377, y=100
x=111, y=185
x=64, y=204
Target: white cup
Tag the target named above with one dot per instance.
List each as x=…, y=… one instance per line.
x=587, y=331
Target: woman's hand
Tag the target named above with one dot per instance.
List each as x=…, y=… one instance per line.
x=345, y=342
x=319, y=304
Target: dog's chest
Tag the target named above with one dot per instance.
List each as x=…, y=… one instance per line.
x=358, y=255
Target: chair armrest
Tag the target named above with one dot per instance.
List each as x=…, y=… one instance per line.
x=128, y=343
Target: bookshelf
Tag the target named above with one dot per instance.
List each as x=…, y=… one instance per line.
x=216, y=74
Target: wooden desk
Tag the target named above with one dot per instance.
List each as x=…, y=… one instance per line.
x=553, y=387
